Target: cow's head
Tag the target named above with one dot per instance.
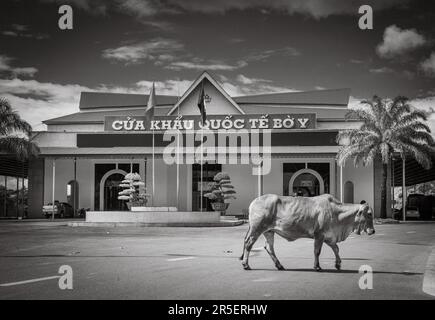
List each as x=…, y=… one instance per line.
x=364, y=220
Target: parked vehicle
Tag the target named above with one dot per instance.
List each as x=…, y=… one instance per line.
x=61, y=210
x=418, y=206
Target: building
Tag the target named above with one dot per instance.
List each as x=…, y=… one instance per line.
x=84, y=155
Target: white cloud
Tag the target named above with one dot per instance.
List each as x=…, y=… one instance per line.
x=204, y=65
x=156, y=50
x=398, y=41
x=246, y=86
x=381, y=70
x=245, y=80
x=428, y=65
x=5, y=67
x=37, y=101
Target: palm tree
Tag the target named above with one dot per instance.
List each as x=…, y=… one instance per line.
x=15, y=133
x=388, y=126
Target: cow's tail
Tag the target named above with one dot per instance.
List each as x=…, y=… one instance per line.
x=244, y=242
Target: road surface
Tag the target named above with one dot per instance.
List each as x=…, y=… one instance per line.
x=202, y=263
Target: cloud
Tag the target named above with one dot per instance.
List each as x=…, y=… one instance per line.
x=398, y=41
x=145, y=9
x=96, y=7
x=244, y=85
x=381, y=70
x=425, y=103
x=315, y=8
x=157, y=50
x=37, y=101
x=139, y=8
x=6, y=68
x=428, y=65
x=200, y=64
x=19, y=30
x=266, y=54
x=245, y=80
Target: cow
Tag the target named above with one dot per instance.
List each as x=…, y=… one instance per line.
x=322, y=218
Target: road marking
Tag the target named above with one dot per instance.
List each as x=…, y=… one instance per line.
x=264, y=280
x=179, y=259
x=410, y=231
x=10, y=284
x=429, y=275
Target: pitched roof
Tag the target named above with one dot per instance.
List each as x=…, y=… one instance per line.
x=336, y=97
x=197, y=82
x=91, y=100
x=97, y=116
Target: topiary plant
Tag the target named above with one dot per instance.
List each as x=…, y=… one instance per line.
x=134, y=191
x=221, y=191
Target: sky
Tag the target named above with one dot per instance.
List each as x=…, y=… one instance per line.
x=249, y=46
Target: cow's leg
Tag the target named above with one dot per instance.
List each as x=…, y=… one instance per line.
x=269, y=235
x=244, y=243
x=334, y=248
x=250, y=239
x=318, y=242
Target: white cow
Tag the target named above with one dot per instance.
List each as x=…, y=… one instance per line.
x=322, y=218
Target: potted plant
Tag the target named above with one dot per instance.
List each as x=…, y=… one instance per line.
x=221, y=191
x=134, y=191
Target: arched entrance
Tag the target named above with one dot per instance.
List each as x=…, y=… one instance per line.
x=109, y=188
x=306, y=183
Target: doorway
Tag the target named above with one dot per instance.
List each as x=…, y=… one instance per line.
x=306, y=183
x=209, y=170
x=109, y=189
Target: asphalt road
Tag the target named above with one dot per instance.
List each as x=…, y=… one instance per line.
x=202, y=263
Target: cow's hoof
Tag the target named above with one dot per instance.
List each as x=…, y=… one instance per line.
x=338, y=266
x=317, y=268
x=246, y=266
x=280, y=267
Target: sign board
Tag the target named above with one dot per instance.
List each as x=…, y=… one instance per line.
x=213, y=122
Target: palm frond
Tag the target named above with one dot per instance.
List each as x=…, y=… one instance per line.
x=416, y=115
x=10, y=120
x=360, y=114
x=422, y=153
x=20, y=147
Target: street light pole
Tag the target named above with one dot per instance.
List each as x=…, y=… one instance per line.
x=54, y=187
x=403, y=189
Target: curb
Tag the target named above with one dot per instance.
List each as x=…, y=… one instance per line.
x=141, y=225
x=429, y=275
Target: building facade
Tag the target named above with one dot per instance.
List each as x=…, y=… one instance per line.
x=85, y=155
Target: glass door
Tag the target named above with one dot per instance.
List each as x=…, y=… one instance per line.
x=209, y=170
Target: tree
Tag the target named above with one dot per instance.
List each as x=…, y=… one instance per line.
x=15, y=133
x=388, y=126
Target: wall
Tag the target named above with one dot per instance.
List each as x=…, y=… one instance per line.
x=362, y=178
x=85, y=176
x=245, y=185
